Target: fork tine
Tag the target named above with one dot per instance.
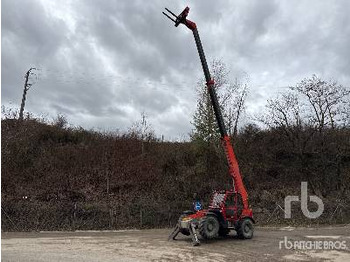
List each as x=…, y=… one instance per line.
x=170, y=12
x=169, y=17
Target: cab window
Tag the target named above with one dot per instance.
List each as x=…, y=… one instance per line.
x=230, y=200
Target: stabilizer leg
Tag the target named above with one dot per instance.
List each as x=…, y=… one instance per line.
x=175, y=232
x=193, y=233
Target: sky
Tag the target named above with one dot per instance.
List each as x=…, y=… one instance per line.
x=102, y=64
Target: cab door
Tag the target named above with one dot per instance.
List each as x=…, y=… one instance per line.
x=230, y=207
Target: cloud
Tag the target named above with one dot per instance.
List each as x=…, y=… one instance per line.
x=104, y=62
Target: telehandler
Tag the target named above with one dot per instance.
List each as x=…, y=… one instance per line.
x=228, y=209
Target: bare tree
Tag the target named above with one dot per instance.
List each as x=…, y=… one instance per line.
x=143, y=130
x=326, y=100
x=283, y=111
x=286, y=114
x=236, y=106
x=313, y=103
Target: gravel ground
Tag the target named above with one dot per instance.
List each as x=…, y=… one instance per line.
x=268, y=244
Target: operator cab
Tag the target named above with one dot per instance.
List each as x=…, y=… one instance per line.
x=229, y=202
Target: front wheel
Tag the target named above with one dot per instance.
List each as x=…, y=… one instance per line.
x=209, y=227
x=245, y=229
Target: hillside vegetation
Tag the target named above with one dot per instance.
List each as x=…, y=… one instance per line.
x=59, y=178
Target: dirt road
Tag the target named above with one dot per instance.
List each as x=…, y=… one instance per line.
x=268, y=244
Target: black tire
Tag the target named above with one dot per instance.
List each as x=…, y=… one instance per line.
x=223, y=232
x=209, y=227
x=245, y=229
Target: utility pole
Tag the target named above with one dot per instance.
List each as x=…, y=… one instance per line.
x=26, y=88
x=144, y=127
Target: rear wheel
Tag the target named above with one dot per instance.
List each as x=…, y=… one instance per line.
x=245, y=229
x=209, y=227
